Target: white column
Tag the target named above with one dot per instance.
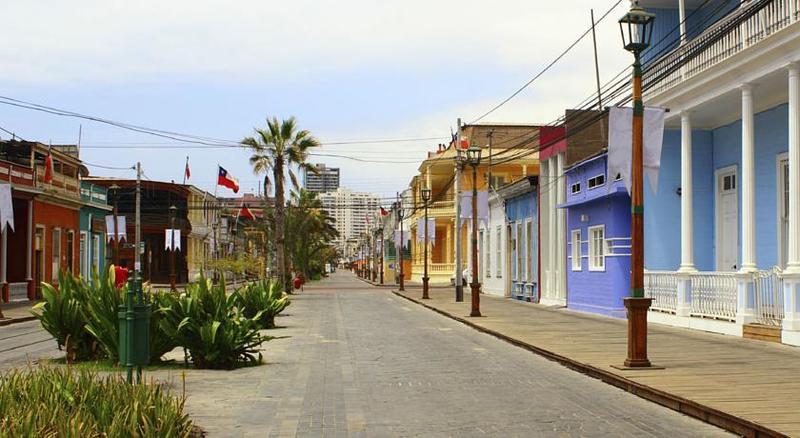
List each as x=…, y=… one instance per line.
x=29, y=252
x=791, y=275
x=745, y=285
x=687, y=268
x=682, y=18
x=561, y=233
x=551, y=200
x=4, y=256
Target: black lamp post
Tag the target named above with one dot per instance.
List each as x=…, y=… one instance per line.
x=172, y=211
x=636, y=28
x=426, y=196
x=474, y=159
x=380, y=231
x=399, y=212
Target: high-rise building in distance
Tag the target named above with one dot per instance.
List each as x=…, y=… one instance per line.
x=326, y=179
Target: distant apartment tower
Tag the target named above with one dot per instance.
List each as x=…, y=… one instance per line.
x=326, y=179
x=351, y=210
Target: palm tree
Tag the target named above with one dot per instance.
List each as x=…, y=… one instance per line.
x=312, y=230
x=276, y=149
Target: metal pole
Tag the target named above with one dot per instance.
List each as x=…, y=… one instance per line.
x=490, y=135
x=382, y=243
x=425, y=262
x=596, y=65
x=172, y=212
x=402, y=240
x=116, y=232
x=458, y=279
x=139, y=250
x=476, y=287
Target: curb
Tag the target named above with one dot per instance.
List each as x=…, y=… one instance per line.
x=707, y=414
x=10, y=321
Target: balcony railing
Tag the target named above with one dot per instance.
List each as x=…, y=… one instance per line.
x=752, y=22
x=662, y=287
x=16, y=174
x=714, y=295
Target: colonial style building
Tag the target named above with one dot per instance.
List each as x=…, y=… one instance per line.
x=92, y=238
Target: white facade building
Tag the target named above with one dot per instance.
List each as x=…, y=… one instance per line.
x=350, y=210
x=493, y=250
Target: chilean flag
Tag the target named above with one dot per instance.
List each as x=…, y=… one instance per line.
x=384, y=212
x=226, y=180
x=48, y=167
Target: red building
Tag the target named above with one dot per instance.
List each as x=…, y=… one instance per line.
x=46, y=217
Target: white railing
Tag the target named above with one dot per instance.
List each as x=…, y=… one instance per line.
x=756, y=20
x=18, y=291
x=662, y=287
x=768, y=297
x=714, y=295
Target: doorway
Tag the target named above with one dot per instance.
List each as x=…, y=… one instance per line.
x=727, y=214
x=38, y=261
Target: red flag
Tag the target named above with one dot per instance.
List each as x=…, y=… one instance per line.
x=245, y=212
x=186, y=172
x=384, y=212
x=226, y=180
x=48, y=167
x=464, y=144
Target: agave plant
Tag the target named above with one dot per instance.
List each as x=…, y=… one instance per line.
x=206, y=321
x=63, y=314
x=58, y=401
x=262, y=297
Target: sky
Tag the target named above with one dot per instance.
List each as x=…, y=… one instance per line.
x=347, y=70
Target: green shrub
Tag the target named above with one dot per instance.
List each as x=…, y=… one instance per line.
x=60, y=401
x=102, y=300
x=63, y=314
x=160, y=341
x=262, y=296
x=206, y=321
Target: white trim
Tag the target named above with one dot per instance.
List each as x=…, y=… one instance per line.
x=528, y=250
x=83, y=236
x=717, y=217
x=572, y=255
x=779, y=182
x=590, y=232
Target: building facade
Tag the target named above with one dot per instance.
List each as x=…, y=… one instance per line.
x=321, y=179
x=730, y=171
x=203, y=211
x=351, y=211
x=92, y=237
x=493, y=240
x=522, y=271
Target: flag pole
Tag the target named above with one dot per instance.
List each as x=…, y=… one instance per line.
x=184, y=170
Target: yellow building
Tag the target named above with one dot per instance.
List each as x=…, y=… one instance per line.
x=509, y=152
x=203, y=212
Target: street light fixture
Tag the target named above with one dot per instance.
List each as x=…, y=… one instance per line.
x=474, y=159
x=172, y=211
x=426, y=196
x=399, y=211
x=636, y=28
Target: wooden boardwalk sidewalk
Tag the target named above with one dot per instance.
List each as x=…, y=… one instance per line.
x=754, y=380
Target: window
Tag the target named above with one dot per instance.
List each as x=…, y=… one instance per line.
x=520, y=253
x=70, y=250
x=56, y=257
x=499, y=253
x=597, y=250
x=95, y=253
x=729, y=182
x=576, y=188
x=529, y=251
x=488, y=253
x=83, y=255
x=596, y=181
x=783, y=213
x=576, y=250
x=497, y=181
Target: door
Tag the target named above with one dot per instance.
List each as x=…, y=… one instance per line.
x=727, y=213
x=38, y=261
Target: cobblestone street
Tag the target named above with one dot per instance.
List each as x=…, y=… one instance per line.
x=362, y=362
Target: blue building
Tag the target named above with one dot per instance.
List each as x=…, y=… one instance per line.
x=523, y=222
x=722, y=233
x=599, y=238
x=92, y=240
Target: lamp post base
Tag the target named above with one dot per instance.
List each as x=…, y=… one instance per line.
x=475, y=290
x=425, y=295
x=637, y=332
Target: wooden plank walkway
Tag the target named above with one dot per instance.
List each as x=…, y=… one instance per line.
x=749, y=379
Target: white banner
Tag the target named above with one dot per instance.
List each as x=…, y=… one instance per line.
x=6, y=208
x=169, y=235
x=620, y=138
x=121, y=231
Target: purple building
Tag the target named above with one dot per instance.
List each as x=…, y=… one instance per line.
x=598, y=238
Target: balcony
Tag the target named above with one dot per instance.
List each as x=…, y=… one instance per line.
x=61, y=184
x=755, y=21
x=16, y=174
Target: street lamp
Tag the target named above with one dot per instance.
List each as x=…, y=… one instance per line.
x=636, y=28
x=172, y=212
x=474, y=159
x=115, y=195
x=426, y=196
x=380, y=231
x=399, y=211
